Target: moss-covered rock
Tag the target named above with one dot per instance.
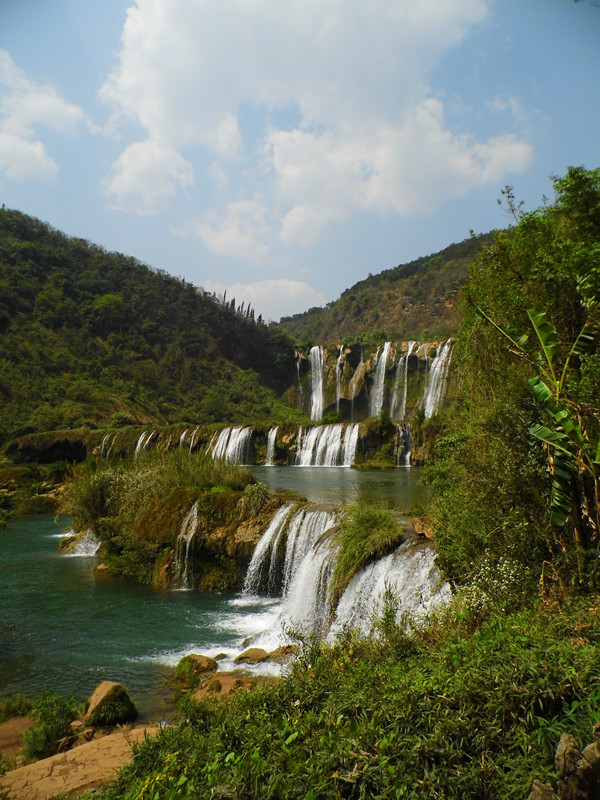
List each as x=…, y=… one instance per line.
x=110, y=705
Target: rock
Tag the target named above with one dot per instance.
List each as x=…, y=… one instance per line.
x=541, y=791
x=193, y=668
x=575, y=775
x=253, y=655
x=229, y=682
x=11, y=734
x=282, y=654
x=220, y=656
x=110, y=705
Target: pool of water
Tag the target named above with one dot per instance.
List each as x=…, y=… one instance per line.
x=66, y=628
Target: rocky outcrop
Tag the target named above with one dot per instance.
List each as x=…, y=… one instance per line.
x=577, y=772
x=193, y=669
x=110, y=705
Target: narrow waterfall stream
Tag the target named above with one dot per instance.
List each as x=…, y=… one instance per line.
x=316, y=372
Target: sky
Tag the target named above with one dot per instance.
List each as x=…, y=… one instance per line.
x=283, y=151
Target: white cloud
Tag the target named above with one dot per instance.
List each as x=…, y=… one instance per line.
x=24, y=106
x=145, y=177
x=371, y=136
x=240, y=231
x=272, y=298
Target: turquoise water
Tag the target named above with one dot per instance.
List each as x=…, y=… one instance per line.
x=65, y=628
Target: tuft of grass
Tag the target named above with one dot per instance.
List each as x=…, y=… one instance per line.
x=53, y=715
x=367, y=532
x=15, y=706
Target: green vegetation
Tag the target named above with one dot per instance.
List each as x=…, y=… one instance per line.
x=437, y=714
x=367, y=531
x=136, y=507
x=53, y=716
x=116, y=708
x=418, y=300
x=17, y=706
x=517, y=476
x=91, y=338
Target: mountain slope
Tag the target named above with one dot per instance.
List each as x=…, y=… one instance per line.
x=412, y=301
x=87, y=334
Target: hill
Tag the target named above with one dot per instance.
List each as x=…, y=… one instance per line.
x=418, y=300
x=91, y=338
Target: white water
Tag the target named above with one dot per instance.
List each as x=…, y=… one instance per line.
x=271, y=440
x=404, y=447
x=436, y=381
x=143, y=441
x=327, y=445
x=182, y=438
x=182, y=548
x=338, y=377
x=193, y=439
x=409, y=574
x=233, y=444
x=376, y=403
x=398, y=408
x=316, y=371
x=87, y=545
x=261, y=577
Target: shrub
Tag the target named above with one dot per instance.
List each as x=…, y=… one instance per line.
x=53, y=715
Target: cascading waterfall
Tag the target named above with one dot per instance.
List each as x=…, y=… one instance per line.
x=182, y=565
x=398, y=408
x=103, y=446
x=271, y=440
x=338, y=377
x=327, y=445
x=142, y=441
x=376, y=403
x=86, y=545
x=316, y=370
x=193, y=439
x=182, y=438
x=404, y=447
x=436, y=381
x=408, y=577
x=233, y=445
x=300, y=392
x=261, y=575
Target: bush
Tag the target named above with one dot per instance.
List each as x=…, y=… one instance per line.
x=53, y=715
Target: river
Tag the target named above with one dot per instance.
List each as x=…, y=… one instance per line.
x=64, y=628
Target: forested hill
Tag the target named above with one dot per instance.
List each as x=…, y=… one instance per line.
x=418, y=300
x=86, y=335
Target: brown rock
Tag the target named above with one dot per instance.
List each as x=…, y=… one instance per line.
x=575, y=774
x=110, y=705
x=203, y=663
x=11, y=734
x=253, y=655
x=541, y=791
x=282, y=654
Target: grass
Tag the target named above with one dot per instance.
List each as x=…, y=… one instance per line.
x=436, y=714
x=367, y=531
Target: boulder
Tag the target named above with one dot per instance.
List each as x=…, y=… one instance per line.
x=193, y=668
x=283, y=653
x=253, y=655
x=109, y=705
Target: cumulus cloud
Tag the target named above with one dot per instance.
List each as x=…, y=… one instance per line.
x=272, y=298
x=24, y=107
x=239, y=231
x=369, y=134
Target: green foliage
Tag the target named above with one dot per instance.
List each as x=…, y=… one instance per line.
x=367, y=531
x=90, y=336
x=418, y=300
x=441, y=713
x=53, y=716
x=17, y=706
x=533, y=309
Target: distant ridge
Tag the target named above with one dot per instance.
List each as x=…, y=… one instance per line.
x=418, y=300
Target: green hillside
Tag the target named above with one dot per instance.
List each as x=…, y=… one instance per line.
x=418, y=300
x=87, y=335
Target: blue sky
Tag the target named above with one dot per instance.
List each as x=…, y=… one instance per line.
x=283, y=151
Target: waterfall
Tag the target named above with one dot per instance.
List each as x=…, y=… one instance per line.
x=338, y=378
x=316, y=370
x=405, y=443
x=182, y=438
x=86, y=545
x=141, y=441
x=436, y=381
x=103, y=445
x=398, y=409
x=271, y=440
x=409, y=574
x=193, y=439
x=376, y=403
x=233, y=445
x=327, y=445
x=300, y=392
x=182, y=549
x=261, y=576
